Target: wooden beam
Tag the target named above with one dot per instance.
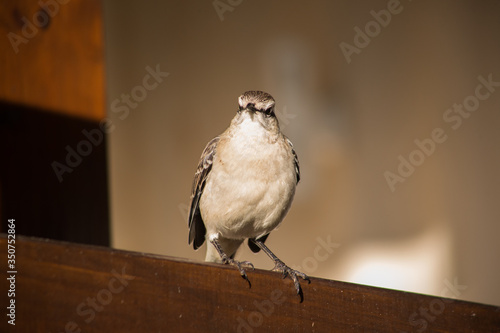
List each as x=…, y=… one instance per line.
x=51, y=56
x=65, y=287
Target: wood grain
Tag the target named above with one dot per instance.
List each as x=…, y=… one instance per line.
x=51, y=56
x=64, y=287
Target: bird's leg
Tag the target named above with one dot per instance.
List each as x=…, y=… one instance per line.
x=279, y=266
x=229, y=260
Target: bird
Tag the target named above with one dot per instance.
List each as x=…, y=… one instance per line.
x=244, y=186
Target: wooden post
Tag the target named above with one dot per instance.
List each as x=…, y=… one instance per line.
x=52, y=120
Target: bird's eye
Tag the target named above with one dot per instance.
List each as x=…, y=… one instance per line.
x=270, y=112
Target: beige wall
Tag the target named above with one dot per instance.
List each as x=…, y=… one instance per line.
x=349, y=123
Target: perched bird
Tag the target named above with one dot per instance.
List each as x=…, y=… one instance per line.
x=244, y=186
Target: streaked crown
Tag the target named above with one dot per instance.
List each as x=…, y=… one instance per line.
x=257, y=101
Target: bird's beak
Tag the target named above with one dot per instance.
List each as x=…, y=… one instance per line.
x=251, y=112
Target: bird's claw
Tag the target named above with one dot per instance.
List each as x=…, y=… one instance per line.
x=240, y=265
x=287, y=271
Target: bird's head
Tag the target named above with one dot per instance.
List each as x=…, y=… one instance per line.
x=257, y=101
x=256, y=111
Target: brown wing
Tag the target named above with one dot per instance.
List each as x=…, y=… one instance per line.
x=197, y=228
x=295, y=160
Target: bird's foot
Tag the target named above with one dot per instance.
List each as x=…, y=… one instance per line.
x=293, y=274
x=240, y=265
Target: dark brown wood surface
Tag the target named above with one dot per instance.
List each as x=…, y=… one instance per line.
x=64, y=287
x=74, y=208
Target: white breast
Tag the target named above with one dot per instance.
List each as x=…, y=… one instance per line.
x=251, y=185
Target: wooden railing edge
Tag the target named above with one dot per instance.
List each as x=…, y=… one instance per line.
x=67, y=287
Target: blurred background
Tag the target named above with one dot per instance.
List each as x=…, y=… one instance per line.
x=392, y=106
x=351, y=102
